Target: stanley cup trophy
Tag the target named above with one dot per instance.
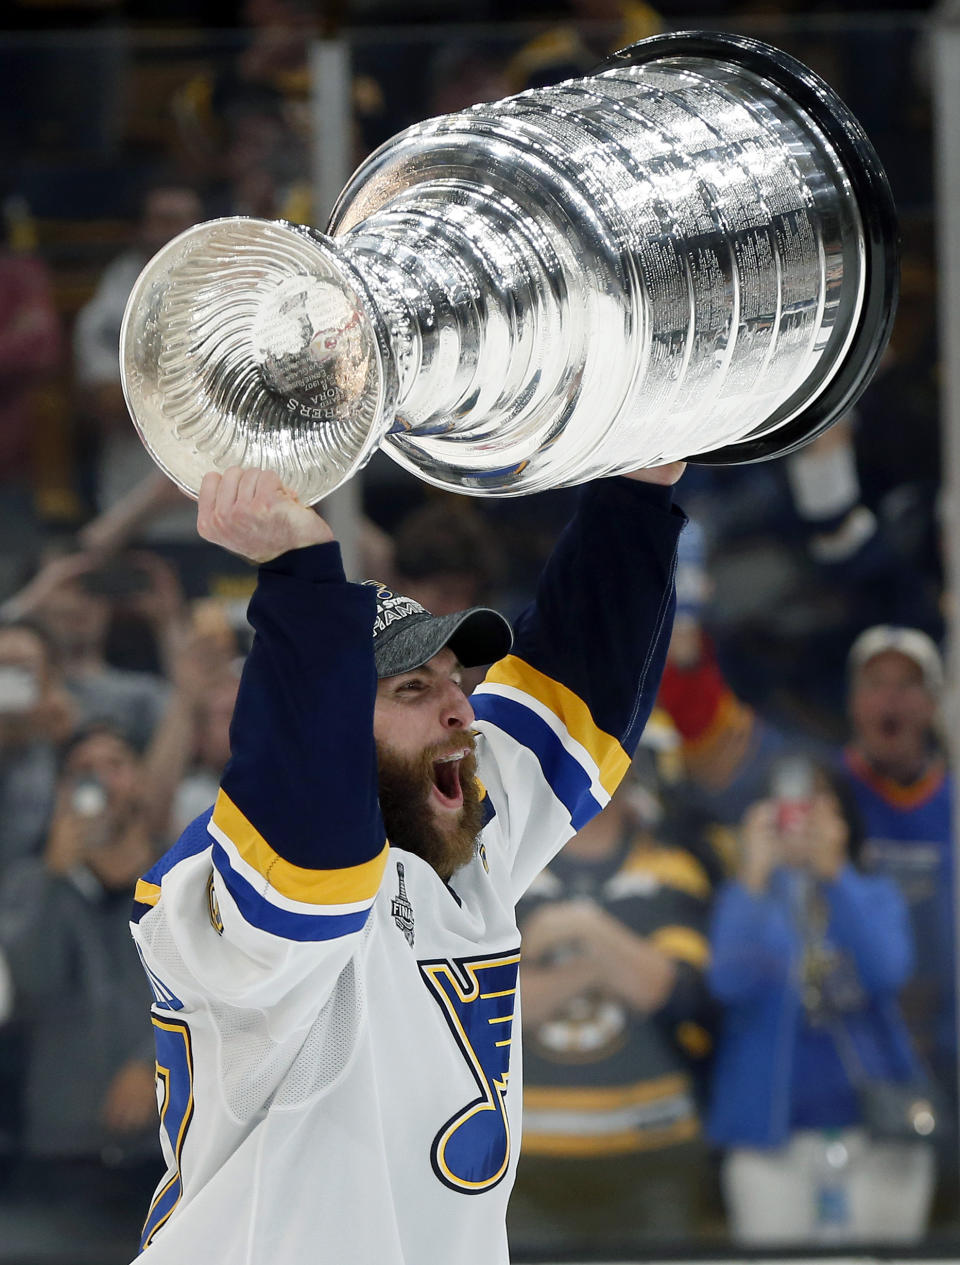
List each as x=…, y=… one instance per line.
x=689, y=254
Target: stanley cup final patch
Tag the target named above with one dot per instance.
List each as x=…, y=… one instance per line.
x=400, y=907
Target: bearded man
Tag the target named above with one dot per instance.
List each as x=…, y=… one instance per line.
x=333, y=947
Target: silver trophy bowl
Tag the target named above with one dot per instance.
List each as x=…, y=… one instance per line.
x=689, y=254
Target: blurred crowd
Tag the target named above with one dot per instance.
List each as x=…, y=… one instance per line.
x=738, y=985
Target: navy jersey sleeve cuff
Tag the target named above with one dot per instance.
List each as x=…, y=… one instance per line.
x=654, y=494
x=321, y=564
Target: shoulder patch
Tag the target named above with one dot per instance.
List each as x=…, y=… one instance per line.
x=213, y=906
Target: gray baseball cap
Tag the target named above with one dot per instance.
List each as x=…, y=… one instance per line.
x=910, y=642
x=406, y=635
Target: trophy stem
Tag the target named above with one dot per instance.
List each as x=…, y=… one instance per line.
x=470, y=297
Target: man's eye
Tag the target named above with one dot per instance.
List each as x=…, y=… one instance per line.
x=412, y=685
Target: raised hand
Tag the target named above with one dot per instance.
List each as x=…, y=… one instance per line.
x=252, y=514
x=131, y=1099
x=760, y=846
x=829, y=837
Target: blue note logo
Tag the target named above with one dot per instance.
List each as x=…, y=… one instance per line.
x=471, y=1152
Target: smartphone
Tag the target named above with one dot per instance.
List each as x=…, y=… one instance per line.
x=792, y=786
x=19, y=690
x=88, y=797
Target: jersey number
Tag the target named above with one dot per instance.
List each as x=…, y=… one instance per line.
x=471, y=1152
x=175, y=1078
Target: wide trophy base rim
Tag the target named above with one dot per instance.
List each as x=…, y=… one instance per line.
x=876, y=206
x=247, y=342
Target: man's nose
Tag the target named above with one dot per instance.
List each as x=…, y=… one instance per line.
x=457, y=712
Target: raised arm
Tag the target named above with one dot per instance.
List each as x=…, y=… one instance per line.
x=567, y=708
x=297, y=824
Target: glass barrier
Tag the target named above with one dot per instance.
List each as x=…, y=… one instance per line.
x=760, y=1053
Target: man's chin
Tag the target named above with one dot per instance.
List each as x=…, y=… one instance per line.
x=443, y=837
x=422, y=820
x=460, y=841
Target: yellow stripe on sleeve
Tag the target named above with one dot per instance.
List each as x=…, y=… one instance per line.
x=314, y=887
x=146, y=893
x=606, y=751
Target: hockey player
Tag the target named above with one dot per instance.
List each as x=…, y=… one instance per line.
x=333, y=947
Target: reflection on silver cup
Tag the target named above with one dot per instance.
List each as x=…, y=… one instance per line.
x=689, y=254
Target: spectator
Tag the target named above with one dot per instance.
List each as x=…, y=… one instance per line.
x=446, y=557
x=247, y=124
x=567, y=49
x=728, y=747
x=896, y=766
x=264, y=160
x=461, y=75
x=36, y=715
x=90, y=1151
x=198, y=788
x=798, y=552
x=614, y=1001
x=31, y=346
x=864, y=565
x=72, y=598
x=808, y=954
x=191, y=745
x=124, y=522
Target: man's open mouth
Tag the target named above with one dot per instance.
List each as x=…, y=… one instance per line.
x=446, y=778
x=890, y=726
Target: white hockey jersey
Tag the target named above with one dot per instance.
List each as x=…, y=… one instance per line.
x=337, y=1029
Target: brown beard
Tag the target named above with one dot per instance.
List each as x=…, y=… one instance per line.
x=409, y=820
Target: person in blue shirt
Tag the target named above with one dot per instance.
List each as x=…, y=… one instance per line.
x=807, y=956
x=896, y=768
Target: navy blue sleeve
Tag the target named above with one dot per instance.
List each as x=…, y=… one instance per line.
x=303, y=772
x=604, y=609
x=590, y=650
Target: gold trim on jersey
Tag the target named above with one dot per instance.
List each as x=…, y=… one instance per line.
x=176, y=1136
x=610, y=758
x=314, y=887
x=146, y=893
